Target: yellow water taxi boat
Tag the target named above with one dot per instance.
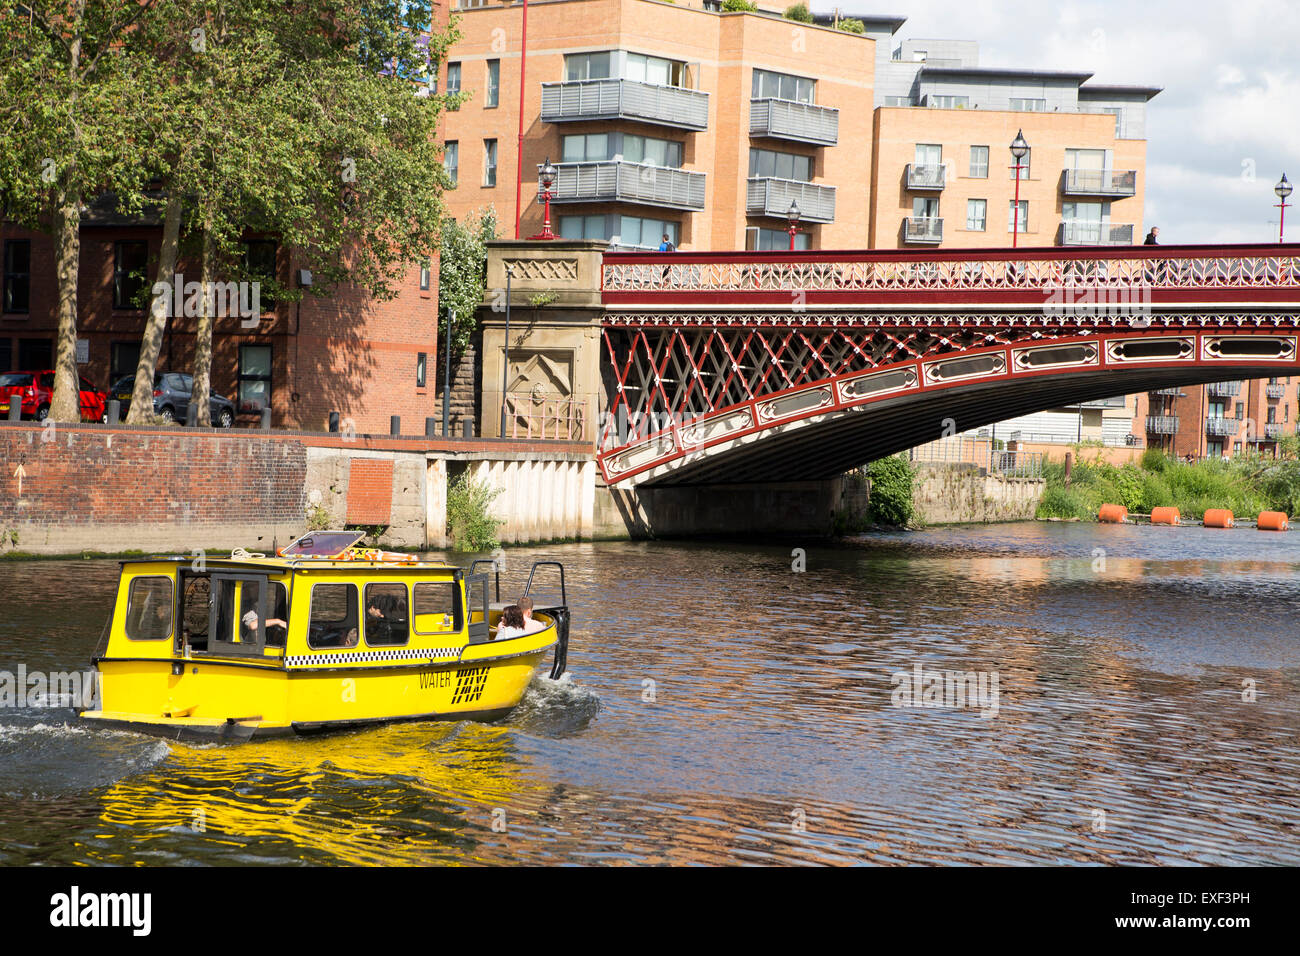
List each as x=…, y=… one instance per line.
x=322, y=636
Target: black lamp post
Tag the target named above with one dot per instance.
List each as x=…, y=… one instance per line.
x=1019, y=149
x=1283, y=189
x=792, y=216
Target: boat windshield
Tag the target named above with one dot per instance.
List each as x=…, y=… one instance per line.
x=322, y=544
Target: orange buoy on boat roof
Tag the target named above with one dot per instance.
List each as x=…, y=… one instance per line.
x=1217, y=518
x=1164, y=516
x=1112, y=514
x=1271, y=521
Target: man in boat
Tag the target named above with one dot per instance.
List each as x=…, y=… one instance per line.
x=248, y=633
x=386, y=619
x=530, y=624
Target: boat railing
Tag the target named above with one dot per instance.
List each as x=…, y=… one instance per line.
x=560, y=612
x=496, y=567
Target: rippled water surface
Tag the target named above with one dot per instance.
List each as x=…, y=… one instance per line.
x=723, y=708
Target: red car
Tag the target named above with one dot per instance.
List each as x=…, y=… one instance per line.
x=34, y=391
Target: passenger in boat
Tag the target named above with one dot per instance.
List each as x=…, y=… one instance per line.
x=511, y=623
x=248, y=632
x=386, y=619
x=531, y=625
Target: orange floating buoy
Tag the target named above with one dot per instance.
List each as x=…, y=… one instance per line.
x=1164, y=516
x=1112, y=514
x=1217, y=518
x=1271, y=521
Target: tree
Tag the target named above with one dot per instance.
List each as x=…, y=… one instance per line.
x=799, y=12
x=462, y=274
x=70, y=119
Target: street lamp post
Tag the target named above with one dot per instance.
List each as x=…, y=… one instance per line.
x=505, y=357
x=1019, y=149
x=793, y=215
x=546, y=174
x=1283, y=189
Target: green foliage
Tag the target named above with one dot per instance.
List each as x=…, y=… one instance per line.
x=539, y=299
x=891, y=491
x=851, y=26
x=1153, y=459
x=739, y=6
x=318, y=519
x=799, y=12
x=462, y=273
x=470, y=525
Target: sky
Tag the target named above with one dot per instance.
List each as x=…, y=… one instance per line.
x=1225, y=127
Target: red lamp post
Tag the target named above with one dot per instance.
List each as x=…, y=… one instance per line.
x=1283, y=189
x=546, y=179
x=792, y=215
x=1019, y=149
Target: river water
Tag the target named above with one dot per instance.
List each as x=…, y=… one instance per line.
x=725, y=707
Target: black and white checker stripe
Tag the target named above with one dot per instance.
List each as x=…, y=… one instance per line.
x=364, y=657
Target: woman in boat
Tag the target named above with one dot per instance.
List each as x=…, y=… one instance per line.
x=512, y=623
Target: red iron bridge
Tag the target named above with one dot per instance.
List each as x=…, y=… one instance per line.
x=746, y=367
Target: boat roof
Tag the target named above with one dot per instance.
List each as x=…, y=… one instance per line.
x=326, y=550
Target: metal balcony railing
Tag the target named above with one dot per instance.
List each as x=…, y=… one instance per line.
x=1220, y=427
x=788, y=119
x=1099, y=182
x=624, y=99
x=1016, y=464
x=1177, y=392
x=922, y=229
x=921, y=176
x=1275, y=391
x=1074, y=233
x=1274, y=430
x=769, y=196
x=614, y=181
x=1162, y=425
x=1224, y=389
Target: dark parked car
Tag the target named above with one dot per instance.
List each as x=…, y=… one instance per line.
x=171, y=398
x=35, y=390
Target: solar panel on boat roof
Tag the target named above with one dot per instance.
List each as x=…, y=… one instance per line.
x=322, y=544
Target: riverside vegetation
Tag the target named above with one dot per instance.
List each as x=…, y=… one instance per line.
x=1245, y=485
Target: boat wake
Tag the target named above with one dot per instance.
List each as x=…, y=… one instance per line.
x=50, y=758
x=555, y=708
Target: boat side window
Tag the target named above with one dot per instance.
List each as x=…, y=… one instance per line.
x=437, y=607
x=149, y=609
x=333, y=621
x=195, y=611
x=387, y=616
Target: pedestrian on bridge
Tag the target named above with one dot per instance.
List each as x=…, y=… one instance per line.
x=1151, y=237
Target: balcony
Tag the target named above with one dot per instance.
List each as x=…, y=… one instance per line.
x=801, y=122
x=769, y=196
x=581, y=100
x=1111, y=183
x=1162, y=425
x=1275, y=391
x=1274, y=430
x=1176, y=392
x=615, y=181
x=1221, y=427
x=925, y=176
x=1224, y=389
x=922, y=229
x=1095, y=234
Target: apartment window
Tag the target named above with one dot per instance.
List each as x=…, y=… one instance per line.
x=6, y=355
x=421, y=369
x=976, y=214
x=424, y=276
x=648, y=149
x=35, y=353
x=944, y=101
x=123, y=359
x=769, y=163
x=928, y=155
x=451, y=161
x=898, y=101
x=1272, y=415
x=654, y=70
x=1214, y=449
x=260, y=264
x=586, y=148
x=489, y=162
x=1018, y=216
x=782, y=86
x=775, y=240
x=18, y=275
x=129, y=262
x=1024, y=166
x=584, y=227
x=493, y=84
x=979, y=162
x=925, y=207
x=453, y=82
x=645, y=232
x=1241, y=410
x=1028, y=104
x=254, y=378
x=587, y=66
x=1218, y=408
